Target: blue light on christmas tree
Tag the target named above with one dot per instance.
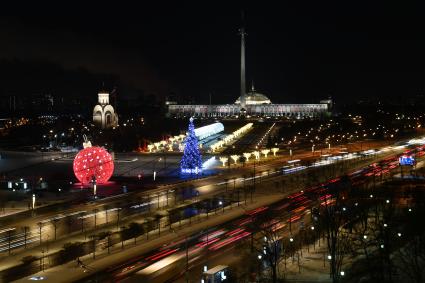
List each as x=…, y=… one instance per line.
x=191, y=162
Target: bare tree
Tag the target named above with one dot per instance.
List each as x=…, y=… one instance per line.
x=333, y=220
x=411, y=259
x=269, y=244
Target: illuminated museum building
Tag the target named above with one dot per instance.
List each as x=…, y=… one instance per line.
x=254, y=98
x=104, y=115
x=251, y=104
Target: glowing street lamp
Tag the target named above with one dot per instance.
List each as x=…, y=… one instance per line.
x=274, y=150
x=157, y=145
x=224, y=160
x=235, y=158
x=150, y=147
x=247, y=155
x=33, y=201
x=265, y=152
x=256, y=154
x=94, y=186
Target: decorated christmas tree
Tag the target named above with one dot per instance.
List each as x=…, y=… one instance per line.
x=192, y=160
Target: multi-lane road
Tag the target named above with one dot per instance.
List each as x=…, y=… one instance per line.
x=172, y=261
x=74, y=217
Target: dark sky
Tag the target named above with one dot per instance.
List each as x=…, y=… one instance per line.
x=297, y=51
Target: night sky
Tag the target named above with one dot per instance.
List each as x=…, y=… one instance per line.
x=296, y=51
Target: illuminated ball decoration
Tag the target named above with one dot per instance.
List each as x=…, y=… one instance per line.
x=93, y=161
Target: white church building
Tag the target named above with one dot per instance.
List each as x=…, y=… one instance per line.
x=104, y=115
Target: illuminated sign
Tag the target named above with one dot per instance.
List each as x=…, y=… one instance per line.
x=406, y=160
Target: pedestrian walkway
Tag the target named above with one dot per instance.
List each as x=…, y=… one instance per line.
x=311, y=266
x=7, y=211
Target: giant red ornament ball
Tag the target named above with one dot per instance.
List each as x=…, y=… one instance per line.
x=93, y=161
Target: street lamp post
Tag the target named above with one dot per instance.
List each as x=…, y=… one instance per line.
x=82, y=222
x=118, y=217
x=291, y=240
x=40, y=225
x=94, y=186
x=9, y=237
x=154, y=165
x=95, y=217
x=94, y=247
x=55, y=225
x=42, y=259
x=158, y=195
x=33, y=201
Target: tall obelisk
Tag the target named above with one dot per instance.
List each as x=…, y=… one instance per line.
x=243, y=84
